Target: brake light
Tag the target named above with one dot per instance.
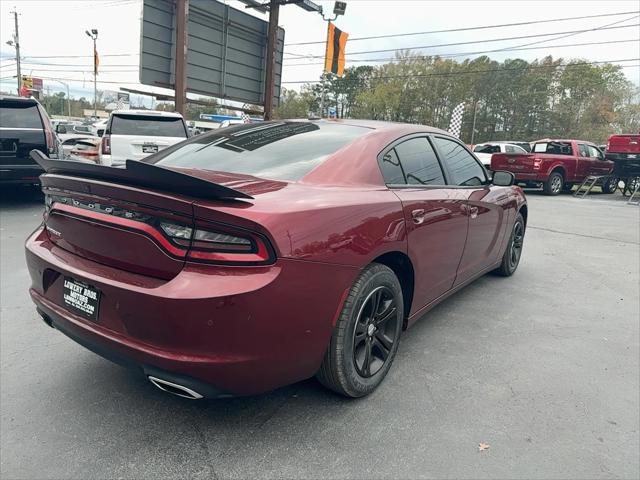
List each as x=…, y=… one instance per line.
x=49, y=137
x=106, y=144
x=206, y=243
x=222, y=246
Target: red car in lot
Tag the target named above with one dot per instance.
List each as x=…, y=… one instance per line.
x=558, y=165
x=256, y=256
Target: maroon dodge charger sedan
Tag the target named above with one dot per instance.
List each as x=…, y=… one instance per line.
x=256, y=256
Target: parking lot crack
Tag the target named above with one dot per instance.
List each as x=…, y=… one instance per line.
x=583, y=235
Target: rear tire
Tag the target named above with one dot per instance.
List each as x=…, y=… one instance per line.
x=554, y=184
x=366, y=336
x=513, y=252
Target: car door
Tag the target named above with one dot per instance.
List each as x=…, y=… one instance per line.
x=585, y=162
x=487, y=207
x=435, y=215
x=599, y=166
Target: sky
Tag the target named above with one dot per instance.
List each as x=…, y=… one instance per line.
x=54, y=30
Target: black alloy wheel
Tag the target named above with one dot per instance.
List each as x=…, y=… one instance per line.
x=375, y=332
x=366, y=336
x=513, y=252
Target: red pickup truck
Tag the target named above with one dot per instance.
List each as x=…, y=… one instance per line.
x=624, y=151
x=557, y=165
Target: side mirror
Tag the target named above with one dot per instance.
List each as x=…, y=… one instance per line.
x=503, y=179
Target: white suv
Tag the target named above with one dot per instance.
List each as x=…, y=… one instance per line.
x=135, y=134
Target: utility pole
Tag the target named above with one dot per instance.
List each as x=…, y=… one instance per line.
x=94, y=36
x=272, y=41
x=16, y=44
x=180, y=86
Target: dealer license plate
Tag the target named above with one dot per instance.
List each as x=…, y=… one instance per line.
x=81, y=298
x=149, y=148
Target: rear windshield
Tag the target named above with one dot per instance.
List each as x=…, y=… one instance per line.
x=277, y=151
x=19, y=115
x=148, y=126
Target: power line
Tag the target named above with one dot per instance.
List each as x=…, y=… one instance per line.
x=482, y=41
x=465, y=29
x=76, y=56
x=463, y=54
x=446, y=74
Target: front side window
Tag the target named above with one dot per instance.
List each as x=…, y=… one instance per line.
x=583, y=150
x=594, y=152
x=419, y=162
x=464, y=169
x=514, y=149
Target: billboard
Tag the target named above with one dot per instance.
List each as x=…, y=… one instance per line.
x=226, y=50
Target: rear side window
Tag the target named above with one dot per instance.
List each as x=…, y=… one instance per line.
x=487, y=149
x=463, y=167
x=419, y=162
x=554, y=148
x=147, y=126
x=391, y=169
x=19, y=115
x=277, y=151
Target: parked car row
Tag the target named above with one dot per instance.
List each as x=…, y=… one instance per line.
x=130, y=134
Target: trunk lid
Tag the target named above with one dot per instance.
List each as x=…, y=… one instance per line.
x=116, y=225
x=623, y=144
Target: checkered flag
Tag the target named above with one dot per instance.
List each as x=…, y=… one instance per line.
x=246, y=118
x=456, y=120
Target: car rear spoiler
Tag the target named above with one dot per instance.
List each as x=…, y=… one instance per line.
x=142, y=175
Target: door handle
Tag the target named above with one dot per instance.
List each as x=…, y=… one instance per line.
x=418, y=215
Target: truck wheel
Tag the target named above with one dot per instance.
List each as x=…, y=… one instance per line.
x=553, y=186
x=610, y=185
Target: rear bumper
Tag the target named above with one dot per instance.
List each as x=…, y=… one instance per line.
x=20, y=174
x=233, y=330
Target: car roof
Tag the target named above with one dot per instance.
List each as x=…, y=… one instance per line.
x=15, y=98
x=150, y=113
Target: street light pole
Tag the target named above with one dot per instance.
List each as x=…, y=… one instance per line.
x=94, y=36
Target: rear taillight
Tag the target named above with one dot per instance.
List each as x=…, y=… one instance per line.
x=106, y=145
x=206, y=243
x=221, y=245
x=49, y=138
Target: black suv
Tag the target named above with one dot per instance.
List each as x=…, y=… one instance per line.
x=24, y=125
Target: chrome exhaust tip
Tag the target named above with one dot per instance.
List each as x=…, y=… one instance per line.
x=174, y=388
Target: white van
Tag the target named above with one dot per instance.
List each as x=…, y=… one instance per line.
x=135, y=134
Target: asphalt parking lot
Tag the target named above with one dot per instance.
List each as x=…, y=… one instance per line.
x=543, y=367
